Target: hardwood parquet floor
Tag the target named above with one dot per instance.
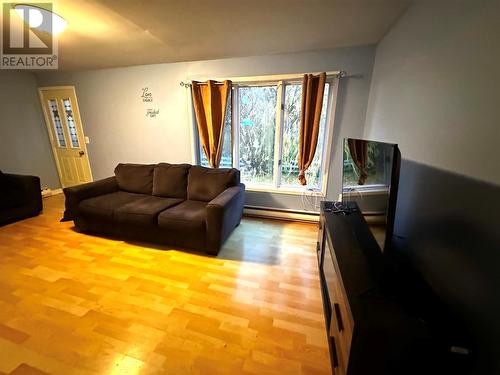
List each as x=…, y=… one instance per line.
x=77, y=304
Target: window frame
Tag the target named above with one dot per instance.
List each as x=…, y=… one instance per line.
x=280, y=81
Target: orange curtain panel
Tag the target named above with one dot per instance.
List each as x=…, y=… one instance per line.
x=313, y=88
x=210, y=102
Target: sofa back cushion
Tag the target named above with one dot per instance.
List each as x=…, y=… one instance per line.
x=3, y=182
x=204, y=184
x=135, y=178
x=170, y=180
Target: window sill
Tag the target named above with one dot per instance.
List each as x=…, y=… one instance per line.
x=366, y=190
x=284, y=190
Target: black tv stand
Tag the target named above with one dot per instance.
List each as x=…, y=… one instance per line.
x=369, y=327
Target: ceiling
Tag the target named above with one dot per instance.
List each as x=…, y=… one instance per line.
x=113, y=33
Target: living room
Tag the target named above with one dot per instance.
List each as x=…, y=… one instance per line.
x=200, y=110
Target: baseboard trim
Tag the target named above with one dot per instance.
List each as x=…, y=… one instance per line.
x=49, y=192
x=281, y=214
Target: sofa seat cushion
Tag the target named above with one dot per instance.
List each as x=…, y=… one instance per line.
x=103, y=206
x=187, y=218
x=144, y=212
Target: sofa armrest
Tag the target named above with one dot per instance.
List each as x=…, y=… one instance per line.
x=224, y=213
x=29, y=187
x=75, y=194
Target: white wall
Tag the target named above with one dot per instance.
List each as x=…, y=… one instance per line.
x=435, y=92
x=114, y=117
x=113, y=114
x=435, y=87
x=24, y=141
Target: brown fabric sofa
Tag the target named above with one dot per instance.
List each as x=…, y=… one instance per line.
x=179, y=205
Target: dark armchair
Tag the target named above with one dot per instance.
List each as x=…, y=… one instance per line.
x=20, y=197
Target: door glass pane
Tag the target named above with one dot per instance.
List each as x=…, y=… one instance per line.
x=71, y=123
x=226, y=160
x=56, y=121
x=257, y=124
x=291, y=134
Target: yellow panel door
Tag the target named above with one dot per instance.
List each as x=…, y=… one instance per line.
x=64, y=125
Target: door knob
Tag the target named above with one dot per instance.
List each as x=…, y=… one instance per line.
x=81, y=153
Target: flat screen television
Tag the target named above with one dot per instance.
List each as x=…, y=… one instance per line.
x=370, y=177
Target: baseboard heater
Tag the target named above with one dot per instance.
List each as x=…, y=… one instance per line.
x=371, y=217
x=281, y=214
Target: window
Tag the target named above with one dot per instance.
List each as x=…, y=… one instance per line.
x=261, y=136
x=71, y=123
x=56, y=120
x=257, y=133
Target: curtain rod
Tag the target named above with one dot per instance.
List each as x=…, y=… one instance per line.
x=280, y=77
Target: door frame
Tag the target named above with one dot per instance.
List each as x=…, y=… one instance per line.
x=49, y=130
